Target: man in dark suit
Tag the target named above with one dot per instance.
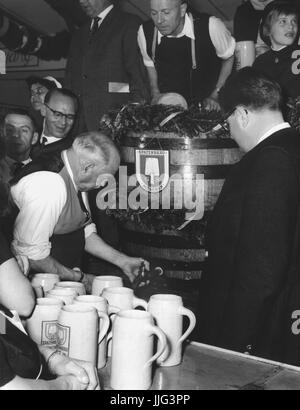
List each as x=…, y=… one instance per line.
x=59, y=111
x=253, y=226
x=20, y=134
x=104, y=66
x=105, y=70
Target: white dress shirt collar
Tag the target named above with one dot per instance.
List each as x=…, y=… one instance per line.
x=49, y=140
x=10, y=161
x=46, y=140
x=188, y=30
x=272, y=131
x=27, y=161
x=105, y=12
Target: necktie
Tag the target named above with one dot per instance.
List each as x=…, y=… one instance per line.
x=17, y=167
x=82, y=206
x=95, y=26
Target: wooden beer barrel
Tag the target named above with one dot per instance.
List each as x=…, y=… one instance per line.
x=180, y=253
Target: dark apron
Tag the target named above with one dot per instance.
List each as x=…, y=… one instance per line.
x=21, y=352
x=68, y=248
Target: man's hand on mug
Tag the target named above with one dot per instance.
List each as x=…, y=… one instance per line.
x=85, y=373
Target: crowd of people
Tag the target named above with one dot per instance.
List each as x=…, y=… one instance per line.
x=53, y=158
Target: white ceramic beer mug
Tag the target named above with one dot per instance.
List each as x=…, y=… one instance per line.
x=123, y=298
x=77, y=286
x=42, y=325
x=77, y=333
x=245, y=54
x=132, y=350
x=46, y=280
x=102, y=282
x=168, y=311
x=101, y=305
x=66, y=295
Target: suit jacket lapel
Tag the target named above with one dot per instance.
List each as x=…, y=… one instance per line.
x=107, y=28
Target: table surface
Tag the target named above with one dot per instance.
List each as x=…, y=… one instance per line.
x=209, y=368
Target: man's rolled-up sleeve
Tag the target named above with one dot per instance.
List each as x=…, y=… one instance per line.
x=148, y=62
x=221, y=38
x=89, y=230
x=40, y=198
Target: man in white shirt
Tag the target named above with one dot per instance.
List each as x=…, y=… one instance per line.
x=252, y=231
x=53, y=226
x=20, y=134
x=190, y=54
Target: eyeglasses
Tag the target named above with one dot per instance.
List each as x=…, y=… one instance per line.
x=224, y=123
x=60, y=115
x=38, y=91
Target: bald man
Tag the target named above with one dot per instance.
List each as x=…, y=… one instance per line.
x=54, y=226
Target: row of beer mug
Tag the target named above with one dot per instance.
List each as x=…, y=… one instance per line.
x=79, y=328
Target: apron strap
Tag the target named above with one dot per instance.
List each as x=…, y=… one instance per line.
x=154, y=43
x=193, y=44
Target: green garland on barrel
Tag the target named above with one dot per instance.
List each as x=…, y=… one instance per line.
x=137, y=118
x=194, y=122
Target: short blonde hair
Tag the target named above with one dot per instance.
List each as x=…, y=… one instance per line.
x=272, y=12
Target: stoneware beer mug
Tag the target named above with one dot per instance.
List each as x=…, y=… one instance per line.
x=77, y=332
x=46, y=280
x=102, y=282
x=132, y=350
x=77, y=286
x=42, y=325
x=123, y=298
x=66, y=295
x=101, y=305
x=168, y=311
x=245, y=54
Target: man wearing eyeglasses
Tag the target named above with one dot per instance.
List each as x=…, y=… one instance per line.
x=250, y=291
x=59, y=111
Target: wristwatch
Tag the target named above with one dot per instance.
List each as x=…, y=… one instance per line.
x=81, y=276
x=81, y=273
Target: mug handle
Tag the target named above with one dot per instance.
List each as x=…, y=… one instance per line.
x=140, y=302
x=186, y=312
x=106, y=323
x=109, y=336
x=113, y=310
x=154, y=330
x=39, y=291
